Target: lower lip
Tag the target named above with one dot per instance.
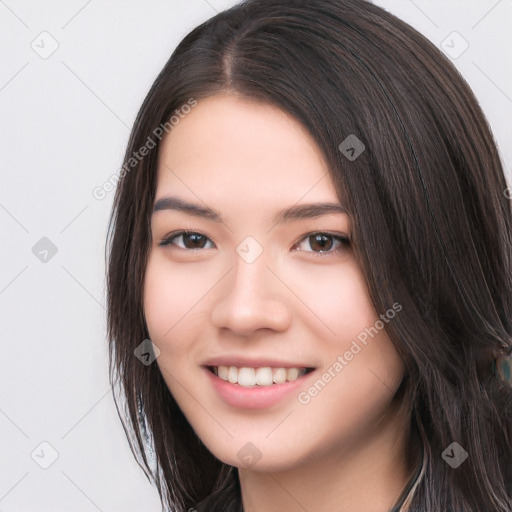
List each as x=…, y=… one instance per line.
x=257, y=397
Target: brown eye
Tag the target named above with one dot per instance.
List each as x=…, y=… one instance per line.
x=189, y=240
x=323, y=243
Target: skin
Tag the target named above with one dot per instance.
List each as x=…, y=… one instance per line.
x=346, y=449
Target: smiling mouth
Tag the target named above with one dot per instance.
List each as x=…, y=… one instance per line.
x=263, y=376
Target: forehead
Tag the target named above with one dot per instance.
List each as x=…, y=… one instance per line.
x=232, y=145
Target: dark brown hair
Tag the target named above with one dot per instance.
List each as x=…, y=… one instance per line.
x=431, y=229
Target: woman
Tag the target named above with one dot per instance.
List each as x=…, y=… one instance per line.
x=309, y=283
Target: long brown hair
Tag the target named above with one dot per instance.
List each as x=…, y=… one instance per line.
x=431, y=230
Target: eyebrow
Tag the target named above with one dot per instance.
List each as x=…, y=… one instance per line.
x=296, y=212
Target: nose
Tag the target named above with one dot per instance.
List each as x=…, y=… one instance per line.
x=251, y=298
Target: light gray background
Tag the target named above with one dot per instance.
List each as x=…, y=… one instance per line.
x=65, y=123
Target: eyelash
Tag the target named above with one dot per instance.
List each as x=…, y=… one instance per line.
x=345, y=241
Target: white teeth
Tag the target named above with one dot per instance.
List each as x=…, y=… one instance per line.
x=292, y=373
x=263, y=376
x=279, y=376
x=246, y=377
x=233, y=374
x=222, y=372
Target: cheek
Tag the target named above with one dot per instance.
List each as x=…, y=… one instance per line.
x=338, y=298
x=160, y=301
x=349, y=402
x=170, y=296
x=371, y=366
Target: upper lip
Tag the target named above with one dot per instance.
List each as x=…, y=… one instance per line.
x=252, y=362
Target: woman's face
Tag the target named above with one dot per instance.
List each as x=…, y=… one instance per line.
x=265, y=283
